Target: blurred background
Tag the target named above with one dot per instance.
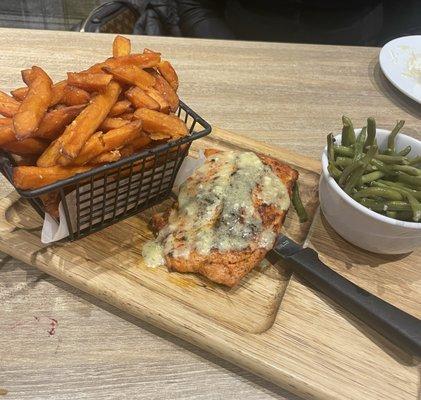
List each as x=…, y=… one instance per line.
x=352, y=22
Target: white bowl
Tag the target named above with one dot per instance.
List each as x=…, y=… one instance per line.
x=358, y=224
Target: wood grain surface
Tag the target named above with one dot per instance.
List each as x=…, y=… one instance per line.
x=289, y=95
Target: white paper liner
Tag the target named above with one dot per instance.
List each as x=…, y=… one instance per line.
x=52, y=231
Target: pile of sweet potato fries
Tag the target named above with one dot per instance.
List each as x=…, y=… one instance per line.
x=111, y=110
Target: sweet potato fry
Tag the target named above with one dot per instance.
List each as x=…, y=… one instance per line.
x=156, y=122
x=35, y=177
x=127, y=116
x=51, y=203
x=7, y=134
x=112, y=123
x=95, y=145
x=164, y=106
x=19, y=93
x=34, y=106
x=117, y=138
x=73, y=96
x=88, y=121
x=121, y=107
x=27, y=76
x=30, y=159
x=140, y=99
x=8, y=105
x=167, y=91
x=131, y=74
x=158, y=136
x=55, y=121
x=148, y=51
x=109, y=156
x=25, y=147
x=141, y=60
x=168, y=72
x=57, y=89
x=142, y=141
x=57, y=92
x=88, y=81
x=121, y=46
x=127, y=150
x=49, y=157
x=5, y=121
x=112, y=140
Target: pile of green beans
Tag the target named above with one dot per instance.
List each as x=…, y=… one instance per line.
x=385, y=181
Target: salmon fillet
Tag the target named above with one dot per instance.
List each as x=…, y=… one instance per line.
x=233, y=256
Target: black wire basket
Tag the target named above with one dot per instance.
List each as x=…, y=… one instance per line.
x=107, y=194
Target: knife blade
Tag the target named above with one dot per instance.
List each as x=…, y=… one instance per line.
x=399, y=327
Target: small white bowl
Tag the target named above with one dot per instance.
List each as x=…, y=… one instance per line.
x=360, y=225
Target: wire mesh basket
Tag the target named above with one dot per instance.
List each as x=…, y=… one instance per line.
x=104, y=195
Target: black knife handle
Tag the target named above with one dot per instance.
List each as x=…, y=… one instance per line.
x=400, y=328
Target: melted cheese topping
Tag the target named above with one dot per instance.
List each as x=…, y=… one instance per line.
x=216, y=210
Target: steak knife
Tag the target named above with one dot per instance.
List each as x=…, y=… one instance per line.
x=399, y=327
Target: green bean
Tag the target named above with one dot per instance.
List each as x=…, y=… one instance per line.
x=354, y=179
x=397, y=206
x=382, y=167
x=415, y=160
x=348, y=171
x=372, y=176
x=395, y=184
x=407, y=169
x=387, y=184
x=346, y=161
x=392, y=159
x=370, y=168
x=330, y=151
x=372, y=151
x=371, y=132
x=392, y=135
x=298, y=204
x=334, y=171
x=384, y=206
x=409, y=179
x=357, y=174
x=391, y=214
x=343, y=161
x=359, y=144
x=344, y=151
x=404, y=215
x=405, y=151
x=348, y=133
x=415, y=206
x=401, y=187
x=380, y=183
x=385, y=193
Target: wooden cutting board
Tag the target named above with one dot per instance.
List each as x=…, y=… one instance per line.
x=272, y=324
